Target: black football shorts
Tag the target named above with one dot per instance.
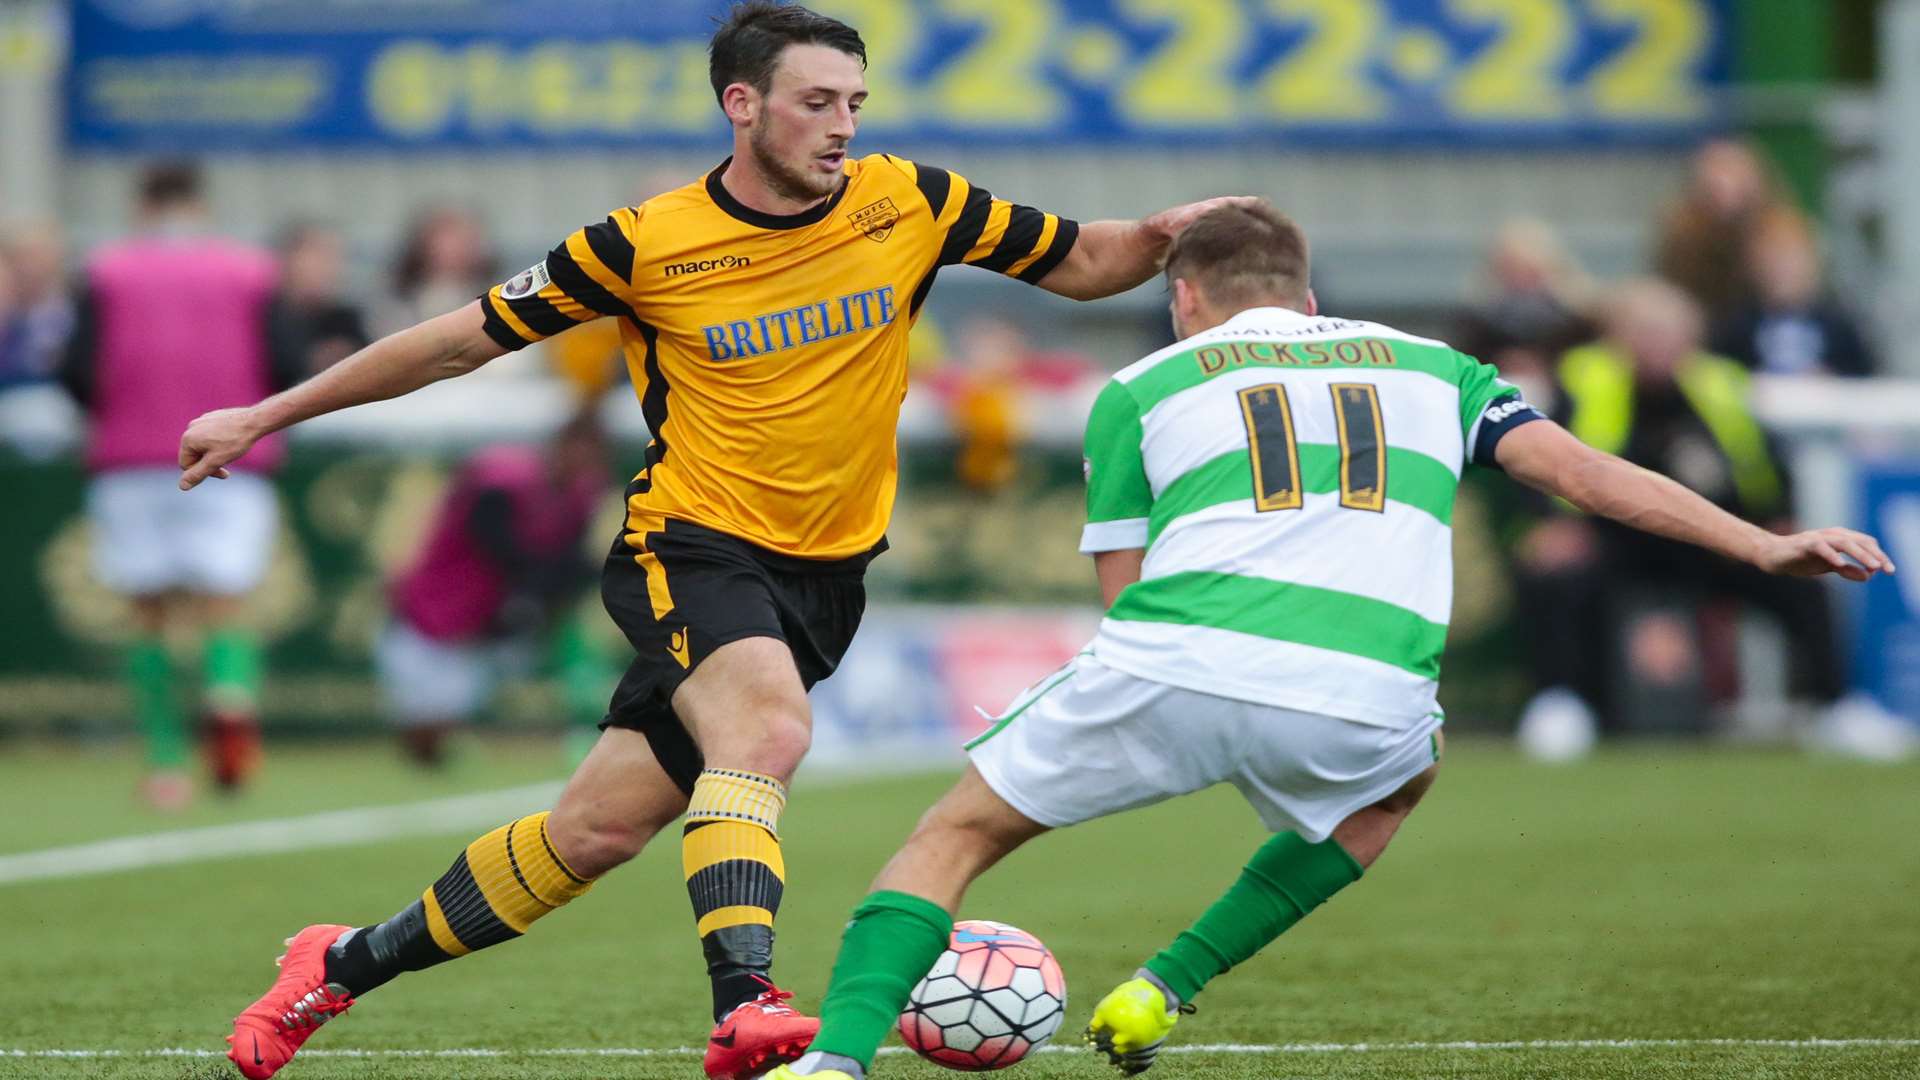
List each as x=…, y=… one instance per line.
x=689, y=590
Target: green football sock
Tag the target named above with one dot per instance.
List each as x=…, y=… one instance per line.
x=1285, y=879
x=892, y=941
x=232, y=671
x=155, y=709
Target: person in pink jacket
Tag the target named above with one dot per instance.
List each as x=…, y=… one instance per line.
x=491, y=582
x=172, y=321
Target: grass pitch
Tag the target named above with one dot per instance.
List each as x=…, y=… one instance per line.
x=1658, y=911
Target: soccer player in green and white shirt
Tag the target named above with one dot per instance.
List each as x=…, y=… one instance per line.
x=1268, y=510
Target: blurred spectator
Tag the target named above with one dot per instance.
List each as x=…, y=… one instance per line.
x=501, y=563
x=36, y=319
x=1703, y=237
x=42, y=296
x=1648, y=392
x=14, y=368
x=445, y=263
x=1534, y=308
x=1792, y=327
x=171, y=324
x=589, y=357
x=991, y=375
x=313, y=325
x=983, y=401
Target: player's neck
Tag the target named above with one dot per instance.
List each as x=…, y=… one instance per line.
x=752, y=188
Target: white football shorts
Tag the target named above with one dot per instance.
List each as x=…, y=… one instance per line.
x=1088, y=741
x=150, y=537
x=425, y=681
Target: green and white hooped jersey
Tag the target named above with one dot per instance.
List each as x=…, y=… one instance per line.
x=1292, y=479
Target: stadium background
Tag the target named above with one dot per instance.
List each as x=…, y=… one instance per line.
x=1402, y=133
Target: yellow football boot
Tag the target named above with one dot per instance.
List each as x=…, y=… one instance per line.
x=1130, y=1023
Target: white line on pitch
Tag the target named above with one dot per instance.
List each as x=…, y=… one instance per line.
x=1201, y=1048
x=335, y=828
x=345, y=828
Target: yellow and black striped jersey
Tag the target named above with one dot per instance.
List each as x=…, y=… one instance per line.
x=770, y=352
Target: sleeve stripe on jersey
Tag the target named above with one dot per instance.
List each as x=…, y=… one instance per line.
x=578, y=272
x=934, y=185
x=502, y=326
x=1101, y=536
x=539, y=316
x=1020, y=240
x=1063, y=239
x=1047, y=231
x=998, y=215
x=966, y=229
x=611, y=246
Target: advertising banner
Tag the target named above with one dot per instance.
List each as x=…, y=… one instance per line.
x=196, y=75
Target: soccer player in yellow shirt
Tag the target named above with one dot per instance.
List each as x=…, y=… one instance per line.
x=763, y=312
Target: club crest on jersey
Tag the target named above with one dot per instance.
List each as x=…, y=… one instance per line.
x=526, y=282
x=875, y=221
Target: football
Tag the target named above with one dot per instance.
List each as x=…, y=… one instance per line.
x=992, y=998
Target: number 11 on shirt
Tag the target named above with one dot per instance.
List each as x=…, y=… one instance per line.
x=1277, y=478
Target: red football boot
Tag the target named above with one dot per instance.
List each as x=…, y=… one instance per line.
x=231, y=742
x=760, y=1035
x=272, y=1030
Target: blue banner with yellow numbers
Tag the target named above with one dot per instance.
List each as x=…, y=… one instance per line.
x=194, y=75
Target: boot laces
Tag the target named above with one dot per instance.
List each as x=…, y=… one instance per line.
x=315, y=1007
x=772, y=998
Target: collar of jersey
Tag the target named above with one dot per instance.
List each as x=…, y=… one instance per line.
x=1266, y=315
x=740, y=211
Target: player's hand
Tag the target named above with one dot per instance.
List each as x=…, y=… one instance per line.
x=1170, y=223
x=1854, y=556
x=212, y=441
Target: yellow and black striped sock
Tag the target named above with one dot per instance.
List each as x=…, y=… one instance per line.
x=735, y=875
x=496, y=889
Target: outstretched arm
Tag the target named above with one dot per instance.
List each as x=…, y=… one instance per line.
x=440, y=348
x=1111, y=257
x=1544, y=456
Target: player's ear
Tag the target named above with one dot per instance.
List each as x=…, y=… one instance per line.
x=1313, y=303
x=741, y=103
x=1185, y=306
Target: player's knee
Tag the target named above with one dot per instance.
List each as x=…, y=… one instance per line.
x=1402, y=802
x=773, y=742
x=789, y=737
x=594, y=843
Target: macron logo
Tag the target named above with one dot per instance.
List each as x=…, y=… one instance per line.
x=701, y=266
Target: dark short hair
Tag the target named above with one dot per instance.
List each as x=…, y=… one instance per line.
x=1242, y=254
x=169, y=183
x=747, y=47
